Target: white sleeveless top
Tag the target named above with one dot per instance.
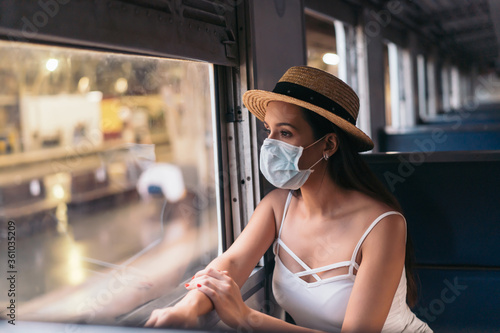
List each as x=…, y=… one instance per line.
x=322, y=304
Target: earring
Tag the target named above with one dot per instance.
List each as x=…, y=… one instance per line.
x=326, y=157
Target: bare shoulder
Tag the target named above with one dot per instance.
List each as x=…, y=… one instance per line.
x=260, y=231
x=275, y=200
x=391, y=225
x=386, y=243
x=277, y=195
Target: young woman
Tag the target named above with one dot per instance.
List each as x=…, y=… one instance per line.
x=339, y=237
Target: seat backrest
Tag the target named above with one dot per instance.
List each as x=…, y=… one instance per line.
x=452, y=205
x=448, y=137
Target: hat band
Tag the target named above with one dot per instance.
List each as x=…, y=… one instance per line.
x=310, y=96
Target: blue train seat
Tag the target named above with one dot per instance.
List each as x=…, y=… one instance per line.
x=452, y=205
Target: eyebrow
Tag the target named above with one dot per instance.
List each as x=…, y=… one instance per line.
x=283, y=124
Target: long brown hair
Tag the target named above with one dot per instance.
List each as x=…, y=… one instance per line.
x=350, y=171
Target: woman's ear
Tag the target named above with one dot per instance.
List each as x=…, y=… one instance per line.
x=332, y=144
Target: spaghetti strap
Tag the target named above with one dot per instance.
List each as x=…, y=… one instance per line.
x=362, y=239
x=352, y=264
x=288, y=200
x=279, y=242
x=324, y=268
x=298, y=260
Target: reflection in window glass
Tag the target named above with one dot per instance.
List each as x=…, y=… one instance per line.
x=321, y=44
x=107, y=170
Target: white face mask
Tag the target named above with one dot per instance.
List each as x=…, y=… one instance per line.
x=279, y=163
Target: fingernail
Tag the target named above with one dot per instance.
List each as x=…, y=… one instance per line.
x=192, y=277
x=198, y=285
x=186, y=285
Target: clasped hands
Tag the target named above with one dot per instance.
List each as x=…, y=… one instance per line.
x=220, y=288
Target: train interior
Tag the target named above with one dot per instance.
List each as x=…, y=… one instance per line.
x=128, y=161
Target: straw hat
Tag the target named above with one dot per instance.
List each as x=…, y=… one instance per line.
x=318, y=91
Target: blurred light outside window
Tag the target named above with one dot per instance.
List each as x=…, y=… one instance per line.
x=107, y=167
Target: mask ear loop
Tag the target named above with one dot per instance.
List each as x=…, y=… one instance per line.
x=325, y=157
x=315, y=142
x=322, y=157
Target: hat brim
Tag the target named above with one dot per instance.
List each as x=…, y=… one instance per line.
x=256, y=102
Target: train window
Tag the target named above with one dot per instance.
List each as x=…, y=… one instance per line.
x=454, y=88
x=465, y=88
x=422, y=86
x=387, y=87
x=431, y=88
x=340, y=49
x=400, y=110
x=446, y=87
x=362, y=85
x=408, y=112
x=107, y=172
x=321, y=44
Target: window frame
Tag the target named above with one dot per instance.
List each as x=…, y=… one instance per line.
x=209, y=41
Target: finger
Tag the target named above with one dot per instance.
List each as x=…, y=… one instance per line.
x=194, y=282
x=215, y=273
x=209, y=292
x=197, y=281
x=221, y=288
x=191, y=286
x=151, y=322
x=200, y=273
x=197, y=274
x=152, y=319
x=205, y=271
x=198, y=278
x=203, y=280
x=208, y=271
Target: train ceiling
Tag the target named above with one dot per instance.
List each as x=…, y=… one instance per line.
x=467, y=29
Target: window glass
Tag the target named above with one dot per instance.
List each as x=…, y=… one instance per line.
x=432, y=84
x=422, y=86
x=387, y=87
x=321, y=44
x=398, y=78
x=340, y=49
x=107, y=174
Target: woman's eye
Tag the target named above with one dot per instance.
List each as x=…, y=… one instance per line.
x=267, y=130
x=285, y=134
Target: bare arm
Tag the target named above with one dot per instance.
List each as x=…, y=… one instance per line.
x=383, y=255
x=239, y=261
x=225, y=295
